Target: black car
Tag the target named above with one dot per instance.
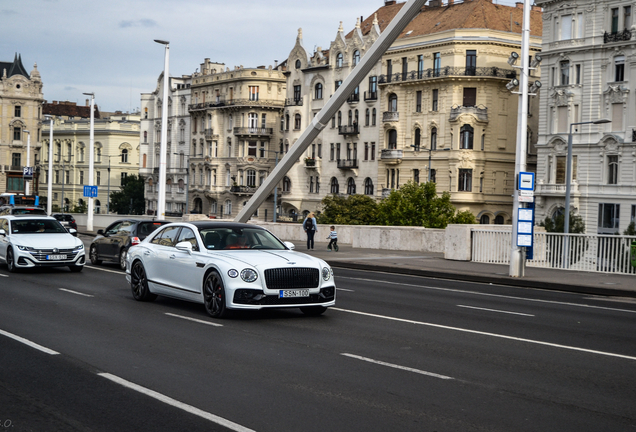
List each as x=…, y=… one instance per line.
x=67, y=221
x=10, y=209
x=112, y=243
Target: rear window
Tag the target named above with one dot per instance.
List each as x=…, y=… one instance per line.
x=64, y=217
x=145, y=228
x=17, y=211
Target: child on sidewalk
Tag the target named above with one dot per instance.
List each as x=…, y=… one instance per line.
x=333, y=235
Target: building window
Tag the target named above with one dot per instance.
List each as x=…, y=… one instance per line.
x=373, y=86
x=418, y=101
x=334, y=185
x=17, y=112
x=81, y=177
x=16, y=159
x=124, y=156
x=372, y=151
x=253, y=93
x=465, y=180
x=368, y=186
x=471, y=62
x=389, y=70
x=437, y=64
x=614, y=23
x=417, y=139
x=338, y=84
x=484, y=220
x=566, y=27
x=433, y=174
x=434, y=138
x=565, y=72
x=228, y=207
x=577, y=72
x=356, y=57
x=251, y=178
x=351, y=186
x=373, y=117
x=435, y=99
x=612, y=170
x=286, y=184
x=619, y=68
x=339, y=60
x=608, y=217
x=416, y=176
x=251, y=148
x=297, y=121
x=466, y=137
x=297, y=90
x=393, y=100
x=560, y=169
x=17, y=134
x=339, y=118
x=470, y=96
x=392, y=139
x=318, y=91
x=367, y=117
x=420, y=66
x=298, y=64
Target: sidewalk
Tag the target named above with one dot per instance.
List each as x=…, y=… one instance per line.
x=434, y=265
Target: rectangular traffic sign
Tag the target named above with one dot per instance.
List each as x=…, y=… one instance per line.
x=526, y=181
x=90, y=191
x=27, y=172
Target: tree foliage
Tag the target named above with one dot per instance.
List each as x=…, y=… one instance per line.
x=132, y=188
x=557, y=224
x=352, y=210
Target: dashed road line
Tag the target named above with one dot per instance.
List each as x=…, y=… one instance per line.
x=195, y=320
x=75, y=292
x=495, y=310
x=29, y=343
x=405, y=368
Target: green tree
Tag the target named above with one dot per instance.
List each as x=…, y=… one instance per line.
x=556, y=225
x=420, y=205
x=130, y=199
x=80, y=207
x=352, y=210
x=631, y=229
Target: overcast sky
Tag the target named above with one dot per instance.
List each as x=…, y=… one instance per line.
x=107, y=47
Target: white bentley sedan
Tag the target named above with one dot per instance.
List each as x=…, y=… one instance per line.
x=38, y=241
x=226, y=265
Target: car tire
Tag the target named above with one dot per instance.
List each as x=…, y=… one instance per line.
x=94, y=257
x=76, y=268
x=122, y=258
x=214, y=295
x=139, y=283
x=10, y=262
x=313, y=310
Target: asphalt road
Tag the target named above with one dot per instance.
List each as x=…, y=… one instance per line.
x=397, y=353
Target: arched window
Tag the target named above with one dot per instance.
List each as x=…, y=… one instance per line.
x=145, y=136
x=392, y=139
x=339, y=118
x=298, y=64
x=351, y=186
x=286, y=184
x=367, y=116
x=339, y=59
x=350, y=117
x=499, y=220
x=297, y=119
x=286, y=122
x=368, y=186
x=318, y=91
x=356, y=117
x=373, y=117
x=124, y=156
x=434, y=138
x=356, y=57
x=417, y=139
x=393, y=99
x=484, y=220
x=334, y=185
x=466, y=137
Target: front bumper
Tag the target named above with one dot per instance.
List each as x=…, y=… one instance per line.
x=257, y=299
x=28, y=259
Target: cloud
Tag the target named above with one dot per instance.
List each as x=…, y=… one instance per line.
x=138, y=23
x=70, y=88
x=8, y=12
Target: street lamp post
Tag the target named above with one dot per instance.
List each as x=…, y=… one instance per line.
x=430, y=152
x=161, y=199
x=28, y=161
x=91, y=162
x=49, y=199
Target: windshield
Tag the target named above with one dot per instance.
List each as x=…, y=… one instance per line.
x=37, y=226
x=17, y=211
x=239, y=238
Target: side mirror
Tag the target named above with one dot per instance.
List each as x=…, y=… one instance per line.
x=72, y=230
x=290, y=245
x=100, y=232
x=184, y=246
x=3, y=232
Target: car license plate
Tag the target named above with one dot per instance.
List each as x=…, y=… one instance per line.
x=56, y=257
x=293, y=293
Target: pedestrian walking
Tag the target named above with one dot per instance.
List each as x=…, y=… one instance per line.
x=333, y=236
x=311, y=227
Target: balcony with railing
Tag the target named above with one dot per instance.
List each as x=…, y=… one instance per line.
x=390, y=116
x=621, y=36
x=294, y=102
x=480, y=111
x=348, y=163
x=209, y=133
x=236, y=102
x=391, y=156
x=354, y=98
x=448, y=71
x=218, y=102
x=371, y=96
x=348, y=130
x=243, y=190
x=254, y=131
x=312, y=163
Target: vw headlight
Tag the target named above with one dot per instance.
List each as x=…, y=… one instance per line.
x=78, y=248
x=326, y=273
x=232, y=273
x=25, y=248
x=249, y=275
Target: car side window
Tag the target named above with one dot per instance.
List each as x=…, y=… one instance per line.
x=113, y=228
x=188, y=235
x=4, y=224
x=125, y=227
x=167, y=236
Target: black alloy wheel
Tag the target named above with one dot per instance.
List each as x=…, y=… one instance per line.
x=214, y=295
x=10, y=263
x=94, y=257
x=139, y=283
x=122, y=258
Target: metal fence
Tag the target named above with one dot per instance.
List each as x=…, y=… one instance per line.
x=580, y=252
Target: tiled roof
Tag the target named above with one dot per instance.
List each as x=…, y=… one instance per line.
x=68, y=109
x=475, y=14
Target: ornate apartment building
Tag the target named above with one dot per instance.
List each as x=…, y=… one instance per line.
x=20, y=111
x=178, y=145
x=589, y=71
x=446, y=113
x=343, y=159
x=235, y=135
x=116, y=153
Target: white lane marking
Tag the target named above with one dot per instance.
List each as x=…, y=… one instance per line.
x=29, y=343
x=342, y=289
x=431, y=374
x=175, y=403
x=4, y=275
x=494, y=310
x=195, y=320
x=585, y=350
x=105, y=270
x=489, y=294
x=75, y=292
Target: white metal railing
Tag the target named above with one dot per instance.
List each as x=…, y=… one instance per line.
x=580, y=252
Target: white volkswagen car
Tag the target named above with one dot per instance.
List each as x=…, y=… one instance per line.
x=34, y=241
x=228, y=266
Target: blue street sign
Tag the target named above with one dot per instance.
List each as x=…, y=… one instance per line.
x=90, y=191
x=525, y=228
x=526, y=181
x=27, y=172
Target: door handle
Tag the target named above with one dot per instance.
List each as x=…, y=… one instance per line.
x=146, y=253
x=173, y=256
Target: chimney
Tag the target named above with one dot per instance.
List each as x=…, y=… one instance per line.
x=519, y=5
x=536, y=8
x=435, y=3
x=389, y=2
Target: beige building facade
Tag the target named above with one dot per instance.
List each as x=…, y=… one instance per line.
x=20, y=111
x=235, y=132
x=446, y=112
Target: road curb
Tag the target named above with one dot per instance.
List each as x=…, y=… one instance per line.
x=517, y=282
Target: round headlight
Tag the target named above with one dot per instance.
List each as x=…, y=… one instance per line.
x=249, y=275
x=326, y=273
x=232, y=273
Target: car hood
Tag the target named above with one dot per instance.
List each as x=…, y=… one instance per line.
x=264, y=259
x=46, y=241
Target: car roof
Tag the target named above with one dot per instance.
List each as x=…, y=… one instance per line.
x=139, y=220
x=208, y=224
x=27, y=216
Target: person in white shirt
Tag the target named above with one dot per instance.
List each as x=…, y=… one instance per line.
x=333, y=236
